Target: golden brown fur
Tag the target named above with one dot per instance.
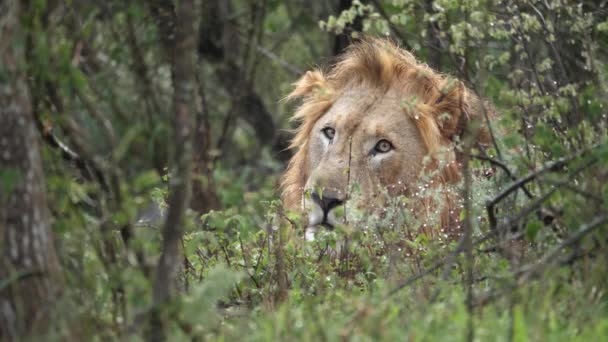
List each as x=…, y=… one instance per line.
x=438, y=105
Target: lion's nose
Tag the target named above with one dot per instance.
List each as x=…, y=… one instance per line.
x=327, y=201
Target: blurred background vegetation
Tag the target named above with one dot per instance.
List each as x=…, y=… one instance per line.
x=127, y=96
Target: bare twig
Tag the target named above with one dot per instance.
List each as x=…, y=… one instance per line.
x=141, y=69
x=534, y=205
x=88, y=170
x=272, y=56
x=530, y=270
x=550, y=167
x=246, y=265
x=294, y=18
x=104, y=122
x=554, y=49
x=566, y=184
x=506, y=169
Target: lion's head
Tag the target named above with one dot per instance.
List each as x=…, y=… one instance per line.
x=371, y=120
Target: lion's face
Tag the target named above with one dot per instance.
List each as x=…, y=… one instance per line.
x=366, y=127
x=364, y=141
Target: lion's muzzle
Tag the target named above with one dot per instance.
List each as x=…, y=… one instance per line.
x=322, y=209
x=327, y=203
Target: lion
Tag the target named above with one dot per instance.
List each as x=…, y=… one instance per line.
x=380, y=119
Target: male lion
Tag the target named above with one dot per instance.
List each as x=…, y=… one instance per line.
x=371, y=120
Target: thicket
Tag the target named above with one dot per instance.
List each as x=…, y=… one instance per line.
x=531, y=264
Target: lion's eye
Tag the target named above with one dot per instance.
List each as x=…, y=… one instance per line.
x=329, y=132
x=383, y=146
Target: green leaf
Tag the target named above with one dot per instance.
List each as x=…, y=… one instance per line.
x=519, y=325
x=14, y=276
x=532, y=229
x=123, y=146
x=146, y=180
x=9, y=178
x=200, y=307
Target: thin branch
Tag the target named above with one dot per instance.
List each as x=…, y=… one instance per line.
x=105, y=123
x=246, y=265
x=505, y=168
x=88, y=170
x=567, y=185
x=508, y=223
x=530, y=270
x=394, y=29
x=272, y=56
x=550, y=42
x=141, y=69
x=429, y=270
x=550, y=167
x=293, y=18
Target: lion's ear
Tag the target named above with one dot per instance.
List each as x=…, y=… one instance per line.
x=478, y=109
x=458, y=106
x=313, y=83
x=316, y=94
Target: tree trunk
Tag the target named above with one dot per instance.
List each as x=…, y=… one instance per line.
x=204, y=197
x=30, y=275
x=179, y=37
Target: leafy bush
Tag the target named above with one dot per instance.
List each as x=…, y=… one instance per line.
x=531, y=264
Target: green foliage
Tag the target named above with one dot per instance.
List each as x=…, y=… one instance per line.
x=248, y=273
x=9, y=179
